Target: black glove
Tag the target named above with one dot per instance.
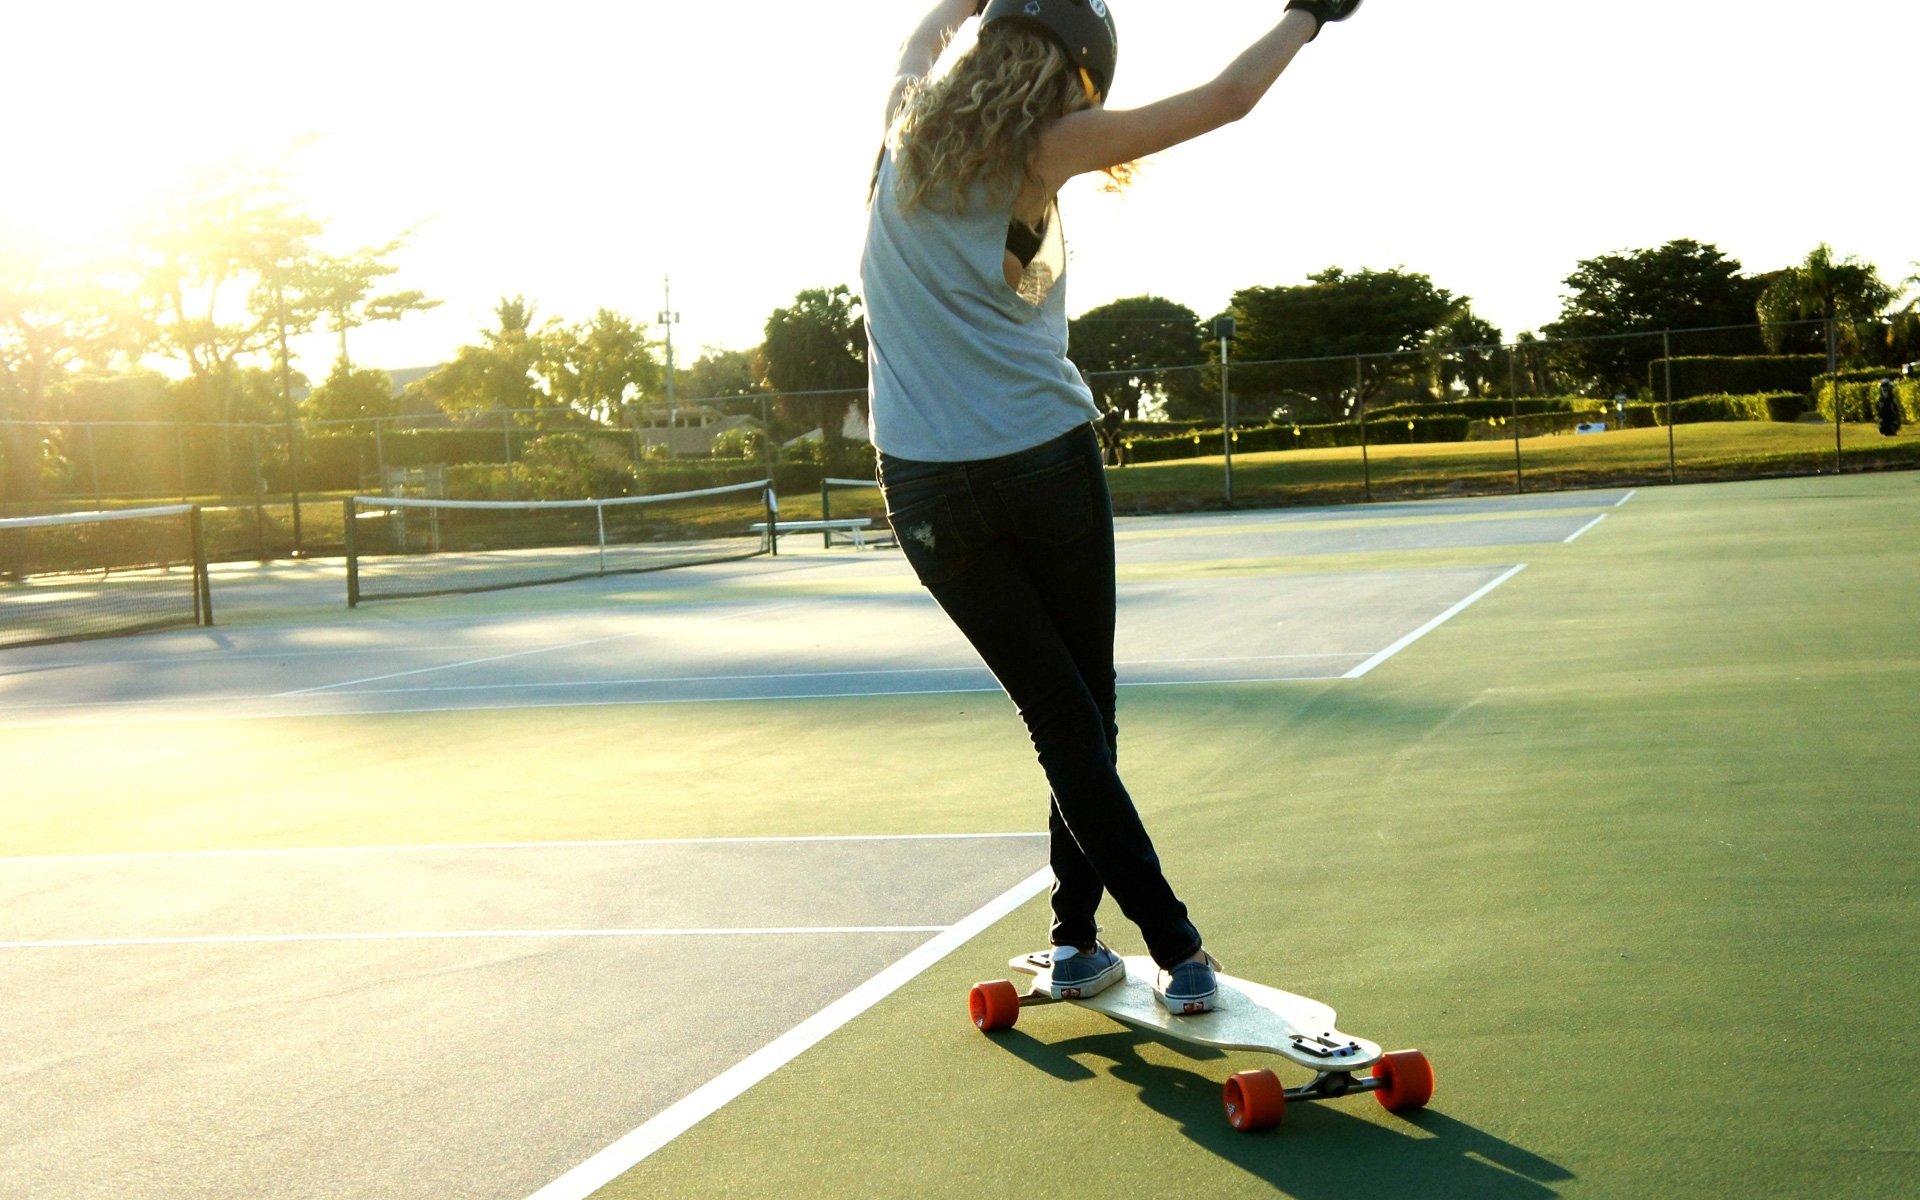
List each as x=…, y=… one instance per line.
x=1324, y=10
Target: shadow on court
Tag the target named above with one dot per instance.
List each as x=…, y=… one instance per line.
x=1321, y=1151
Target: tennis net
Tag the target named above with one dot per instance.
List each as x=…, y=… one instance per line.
x=400, y=548
x=98, y=574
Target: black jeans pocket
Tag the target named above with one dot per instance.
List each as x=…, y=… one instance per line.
x=934, y=544
x=1052, y=506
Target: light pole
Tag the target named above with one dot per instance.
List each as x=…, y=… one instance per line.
x=669, y=318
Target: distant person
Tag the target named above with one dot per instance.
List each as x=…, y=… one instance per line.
x=1890, y=414
x=988, y=458
x=1111, y=424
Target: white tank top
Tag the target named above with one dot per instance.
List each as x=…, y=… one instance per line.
x=959, y=365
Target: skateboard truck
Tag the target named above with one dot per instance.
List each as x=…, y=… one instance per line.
x=1324, y=1046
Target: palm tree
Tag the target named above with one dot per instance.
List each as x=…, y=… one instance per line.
x=1846, y=293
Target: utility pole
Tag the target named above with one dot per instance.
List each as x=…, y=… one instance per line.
x=669, y=318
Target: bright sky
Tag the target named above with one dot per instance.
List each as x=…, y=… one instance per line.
x=577, y=152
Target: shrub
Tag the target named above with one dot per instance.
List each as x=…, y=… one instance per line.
x=1738, y=375
x=1487, y=409
x=1859, y=393
x=742, y=441
x=1257, y=438
x=1732, y=408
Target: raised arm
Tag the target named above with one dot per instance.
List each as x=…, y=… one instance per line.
x=924, y=47
x=1097, y=138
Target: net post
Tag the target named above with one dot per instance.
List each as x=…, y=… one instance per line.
x=773, y=520
x=826, y=513
x=202, y=585
x=600, y=532
x=353, y=556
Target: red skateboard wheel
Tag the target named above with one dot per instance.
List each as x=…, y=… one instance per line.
x=1409, y=1080
x=1254, y=1100
x=993, y=1005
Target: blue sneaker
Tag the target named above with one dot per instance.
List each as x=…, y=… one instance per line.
x=1078, y=973
x=1188, y=988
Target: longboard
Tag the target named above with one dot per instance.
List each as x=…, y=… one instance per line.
x=1246, y=1016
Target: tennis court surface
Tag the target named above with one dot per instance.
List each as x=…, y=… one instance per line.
x=672, y=884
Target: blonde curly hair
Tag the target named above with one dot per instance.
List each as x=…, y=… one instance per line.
x=982, y=121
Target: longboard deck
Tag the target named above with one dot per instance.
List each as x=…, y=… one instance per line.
x=1246, y=1016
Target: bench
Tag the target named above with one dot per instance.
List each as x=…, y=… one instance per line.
x=854, y=527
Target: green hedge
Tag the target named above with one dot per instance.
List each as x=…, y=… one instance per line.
x=1859, y=392
x=1736, y=375
x=1257, y=438
x=1772, y=406
x=1488, y=409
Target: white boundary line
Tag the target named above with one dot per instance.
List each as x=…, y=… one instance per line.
x=456, y=847
x=629, y=1151
x=1572, y=537
x=277, y=939
x=1630, y=495
x=1430, y=626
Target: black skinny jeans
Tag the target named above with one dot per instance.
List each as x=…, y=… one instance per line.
x=1019, y=552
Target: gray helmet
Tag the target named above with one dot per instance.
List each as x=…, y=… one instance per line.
x=1084, y=29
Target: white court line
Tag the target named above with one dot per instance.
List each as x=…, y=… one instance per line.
x=881, y=672
x=625, y=1154
x=1570, y=538
x=492, y=658
x=271, y=939
x=1630, y=495
x=1430, y=626
x=470, y=662
x=455, y=847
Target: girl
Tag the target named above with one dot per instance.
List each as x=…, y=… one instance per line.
x=989, y=463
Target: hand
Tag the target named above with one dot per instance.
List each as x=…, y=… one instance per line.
x=1324, y=11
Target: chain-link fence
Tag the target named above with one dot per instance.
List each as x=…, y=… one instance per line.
x=1627, y=409
x=1631, y=409
x=262, y=501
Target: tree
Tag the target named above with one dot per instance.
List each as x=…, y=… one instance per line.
x=726, y=379
x=1465, y=348
x=1903, y=323
x=497, y=374
x=818, y=345
x=54, y=317
x=213, y=273
x=1324, y=325
x=1682, y=285
x=1848, y=293
x=1120, y=345
x=597, y=367
x=352, y=394
x=338, y=287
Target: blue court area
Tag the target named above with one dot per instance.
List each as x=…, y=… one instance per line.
x=469, y=1017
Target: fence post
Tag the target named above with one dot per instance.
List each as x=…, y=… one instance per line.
x=259, y=494
x=1666, y=358
x=1226, y=407
x=93, y=469
x=1513, y=415
x=1360, y=409
x=1839, y=402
